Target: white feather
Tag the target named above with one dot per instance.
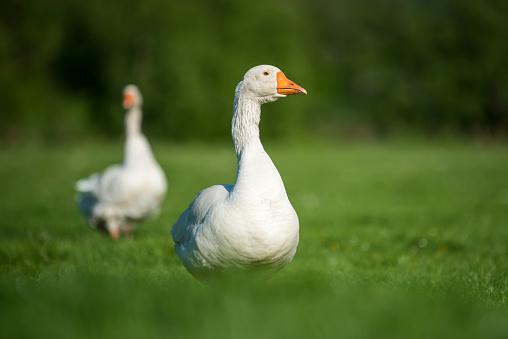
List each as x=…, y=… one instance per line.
x=129, y=192
x=251, y=224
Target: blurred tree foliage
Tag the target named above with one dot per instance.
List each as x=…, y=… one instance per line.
x=430, y=66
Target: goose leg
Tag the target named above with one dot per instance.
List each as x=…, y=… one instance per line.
x=114, y=233
x=128, y=228
x=114, y=230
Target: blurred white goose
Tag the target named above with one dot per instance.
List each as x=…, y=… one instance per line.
x=250, y=225
x=124, y=194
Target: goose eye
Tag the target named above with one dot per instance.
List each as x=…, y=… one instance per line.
x=266, y=73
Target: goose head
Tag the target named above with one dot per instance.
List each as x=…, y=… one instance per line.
x=132, y=97
x=267, y=83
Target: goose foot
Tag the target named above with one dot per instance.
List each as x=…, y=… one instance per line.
x=114, y=234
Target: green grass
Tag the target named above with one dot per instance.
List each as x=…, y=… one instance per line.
x=396, y=241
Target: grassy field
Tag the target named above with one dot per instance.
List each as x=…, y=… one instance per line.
x=396, y=241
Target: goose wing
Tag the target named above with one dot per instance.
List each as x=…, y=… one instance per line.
x=185, y=228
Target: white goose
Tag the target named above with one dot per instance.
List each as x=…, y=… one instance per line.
x=250, y=225
x=124, y=194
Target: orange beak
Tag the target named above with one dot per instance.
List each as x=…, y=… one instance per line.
x=128, y=100
x=287, y=87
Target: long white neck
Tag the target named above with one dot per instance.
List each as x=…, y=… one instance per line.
x=256, y=174
x=137, y=150
x=245, y=123
x=133, y=122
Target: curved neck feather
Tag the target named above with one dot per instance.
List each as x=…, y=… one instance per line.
x=133, y=121
x=245, y=123
x=137, y=150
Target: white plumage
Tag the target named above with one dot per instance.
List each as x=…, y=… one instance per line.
x=124, y=194
x=250, y=225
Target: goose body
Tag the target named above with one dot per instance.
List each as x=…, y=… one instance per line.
x=127, y=193
x=250, y=225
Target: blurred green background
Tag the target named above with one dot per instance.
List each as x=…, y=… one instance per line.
x=372, y=68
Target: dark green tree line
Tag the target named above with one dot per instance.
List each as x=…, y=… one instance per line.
x=427, y=66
